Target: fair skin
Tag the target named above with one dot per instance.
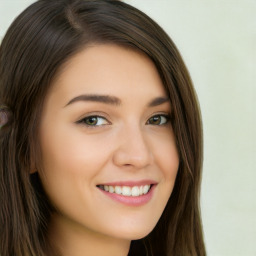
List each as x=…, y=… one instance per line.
x=117, y=134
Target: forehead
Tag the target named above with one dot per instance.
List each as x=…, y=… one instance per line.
x=109, y=69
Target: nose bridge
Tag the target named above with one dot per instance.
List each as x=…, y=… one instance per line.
x=133, y=148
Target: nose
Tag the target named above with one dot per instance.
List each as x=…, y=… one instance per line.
x=133, y=150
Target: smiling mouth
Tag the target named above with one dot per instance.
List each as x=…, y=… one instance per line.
x=133, y=191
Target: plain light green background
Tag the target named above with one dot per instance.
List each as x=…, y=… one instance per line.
x=218, y=42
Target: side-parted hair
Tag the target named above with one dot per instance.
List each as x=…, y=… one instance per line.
x=37, y=44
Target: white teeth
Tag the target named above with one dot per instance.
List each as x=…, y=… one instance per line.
x=118, y=190
x=135, y=191
x=146, y=189
x=111, y=189
x=127, y=191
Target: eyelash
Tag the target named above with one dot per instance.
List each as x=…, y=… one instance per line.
x=166, y=117
x=96, y=118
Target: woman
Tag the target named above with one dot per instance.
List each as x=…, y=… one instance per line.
x=101, y=142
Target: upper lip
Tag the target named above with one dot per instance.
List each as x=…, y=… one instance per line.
x=130, y=183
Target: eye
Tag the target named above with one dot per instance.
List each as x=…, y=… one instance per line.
x=94, y=121
x=159, y=120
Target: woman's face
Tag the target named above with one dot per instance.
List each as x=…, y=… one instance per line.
x=109, y=158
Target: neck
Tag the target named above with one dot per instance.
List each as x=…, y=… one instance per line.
x=71, y=239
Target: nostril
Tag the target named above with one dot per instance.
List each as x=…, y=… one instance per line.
x=132, y=151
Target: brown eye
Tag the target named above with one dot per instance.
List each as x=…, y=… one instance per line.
x=158, y=120
x=94, y=121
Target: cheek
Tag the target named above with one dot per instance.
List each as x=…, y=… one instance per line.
x=70, y=163
x=73, y=152
x=167, y=159
x=166, y=155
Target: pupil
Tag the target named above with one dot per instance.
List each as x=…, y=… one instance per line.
x=155, y=119
x=92, y=120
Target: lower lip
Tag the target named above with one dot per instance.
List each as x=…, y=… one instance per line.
x=131, y=200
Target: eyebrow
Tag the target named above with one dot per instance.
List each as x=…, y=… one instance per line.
x=112, y=100
x=158, y=101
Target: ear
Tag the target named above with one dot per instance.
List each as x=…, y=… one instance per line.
x=33, y=168
x=34, y=164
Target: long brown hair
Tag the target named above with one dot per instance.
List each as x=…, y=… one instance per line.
x=37, y=44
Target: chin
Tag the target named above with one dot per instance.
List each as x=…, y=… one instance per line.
x=133, y=233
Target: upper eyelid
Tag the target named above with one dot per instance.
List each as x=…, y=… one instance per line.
x=167, y=116
x=95, y=113
x=98, y=116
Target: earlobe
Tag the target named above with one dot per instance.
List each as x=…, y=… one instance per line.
x=32, y=171
x=6, y=116
x=33, y=168
x=6, y=119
